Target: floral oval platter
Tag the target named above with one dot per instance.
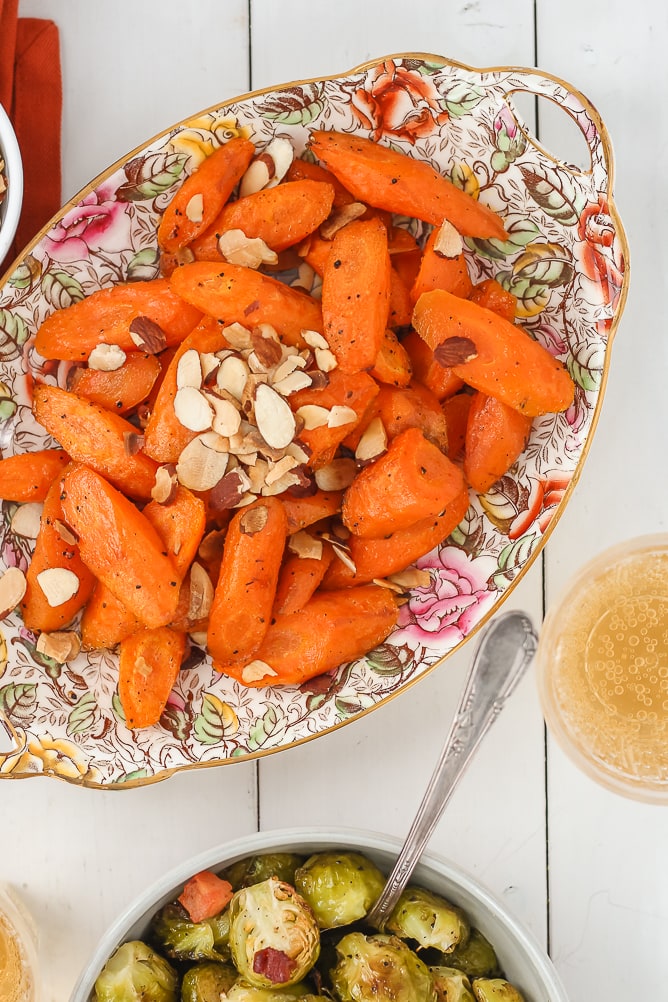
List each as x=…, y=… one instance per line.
x=566, y=262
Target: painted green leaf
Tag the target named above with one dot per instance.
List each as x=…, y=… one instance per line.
x=521, y=231
x=18, y=701
x=13, y=334
x=151, y=175
x=545, y=264
x=387, y=660
x=210, y=722
x=512, y=558
x=586, y=367
x=61, y=290
x=555, y=194
x=144, y=266
x=82, y=717
x=296, y=116
x=348, y=706
x=117, y=707
x=532, y=297
x=271, y=724
x=130, y=777
x=461, y=98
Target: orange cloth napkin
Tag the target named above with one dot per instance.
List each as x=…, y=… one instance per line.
x=31, y=93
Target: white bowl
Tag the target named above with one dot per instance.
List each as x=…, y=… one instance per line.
x=10, y=207
x=524, y=962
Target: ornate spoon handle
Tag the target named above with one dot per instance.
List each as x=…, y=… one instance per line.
x=503, y=653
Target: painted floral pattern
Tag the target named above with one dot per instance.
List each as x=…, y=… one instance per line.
x=564, y=259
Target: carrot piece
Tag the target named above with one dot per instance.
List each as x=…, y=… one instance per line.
x=379, y=558
x=203, y=194
x=165, y=437
x=244, y=594
x=315, y=251
x=304, y=511
x=353, y=390
x=508, y=364
x=205, y=895
x=401, y=305
x=390, y=180
x=401, y=241
x=491, y=294
x=121, y=547
x=54, y=550
x=94, y=436
x=413, y=480
x=456, y=412
x=440, y=379
x=495, y=436
x=407, y=265
x=107, y=315
x=148, y=666
x=439, y=272
x=412, y=406
x=302, y=170
x=298, y=579
x=27, y=476
x=392, y=365
x=105, y=621
x=234, y=294
x=356, y=294
x=180, y=523
x=332, y=628
x=121, y=389
x=281, y=216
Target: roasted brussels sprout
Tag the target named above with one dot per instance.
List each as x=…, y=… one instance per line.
x=242, y=992
x=207, y=982
x=475, y=956
x=495, y=990
x=428, y=919
x=451, y=985
x=182, y=939
x=274, y=937
x=255, y=869
x=136, y=973
x=380, y=968
x=340, y=887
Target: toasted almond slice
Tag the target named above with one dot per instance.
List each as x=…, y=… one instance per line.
x=305, y=545
x=373, y=442
x=58, y=584
x=165, y=485
x=226, y=419
x=212, y=440
x=306, y=276
x=189, y=370
x=195, y=208
x=198, y=637
x=26, y=519
x=337, y=475
x=314, y=339
x=290, y=479
x=200, y=467
x=298, y=451
x=133, y=442
x=255, y=179
x=275, y=421
x=251, y=252
x=412, y=577
x=386, y=583
x=255, y=671
x=61, y=645
x=257, y=474
x=277, y=470
x=340, y=217
x=212, y=545
x=339, y=415
x=201, y=592
x=229, y=490
x=344, y=557
x=193, y=409
x=147, y=335
x=296, y=380
x=232, y=375
x=325, y=359
x=313, y=416
x=65, y=532
x=266, y=346
x=287, y=366
x=254, y=521
x=210, y=362
x=106, y=357
x=12, y=589
x=238, y=336
x=448, y=241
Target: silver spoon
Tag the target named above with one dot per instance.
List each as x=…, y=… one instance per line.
x=504, y=652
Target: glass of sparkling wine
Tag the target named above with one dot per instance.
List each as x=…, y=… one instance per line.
x=602, y=669
x=18, y=950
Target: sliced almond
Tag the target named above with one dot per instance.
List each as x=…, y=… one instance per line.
x=287, y=366
x=195, y=208
x=165, y=485
x=65, y=532
x=251, y=252
x=313, y=416
x=61, y=645
x=339, y=415
x=448, y=241
x=226, y=419
x=232, y=375
x=325, y=359
x=290, y=479
x=282, y=153
x=266, y=345
x=210, y=363
x=314, y=339
x=229, y=490
x=412, y=577
x=133, y=442
x=257, y=474
x=255, y=671
x=298, y=451
x=238, y=336
x=201, y=592
x=305, y=545
x=12, y=589
x=106, y=357
x=189, y=370
x=275, y=421
x=26, y=520
x=147, y=335
x=455, y=351
x=193, y=409
x=337, y=475
x=58, y=585
x=200, y=467
x=212, y=545
x=277, y=470
x=293, y=382
x=256, y=178
x=254, y=520
x=373, y=442
x=344, y=557
x=339, y=217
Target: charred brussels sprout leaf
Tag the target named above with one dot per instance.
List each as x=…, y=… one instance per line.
x=495, y=990
x=340, y=887
x=136, y=973
x=428, y=919
x=207, y=982
x=451, y=985
x=242, y=992
x=255, y=869
x=380, y=969
x=181, y=939
x=274, y=936
x=475, y=957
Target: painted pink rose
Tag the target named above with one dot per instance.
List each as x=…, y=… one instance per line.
x=98, y=223
x=400, y=102
x=457, y=598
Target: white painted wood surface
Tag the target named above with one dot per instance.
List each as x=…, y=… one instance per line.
x=584, y=869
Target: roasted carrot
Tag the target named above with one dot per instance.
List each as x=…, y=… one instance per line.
x=412, y=481
x=393, y=364
x=27, y=476
x=234, y=294
x=180, y=523
x=439, y=379
x=298, y=579
x=56, y=550
x=307, y=170
x=495, y=436
x=203, y=194
x=491, y=294
x=412, y=406
x=148, y=666
x=380, y=558
x=107, y=316
x=95, y=436
x=401, y=305
x=119, y=390
x=497, y=357
x=456, y=412
x=439, y=272
x=332, y=628
x=356, y=294
x=105, y=620
x=407, y=265
x=390, y=180
x=281, y=216
x=120, y=546
x=354, y=391
x=304, y=511
x=246, y=587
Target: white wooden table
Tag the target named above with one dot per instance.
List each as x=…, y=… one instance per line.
x=585, y=870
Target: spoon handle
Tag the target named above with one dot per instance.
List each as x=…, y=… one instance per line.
x=503, y=653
